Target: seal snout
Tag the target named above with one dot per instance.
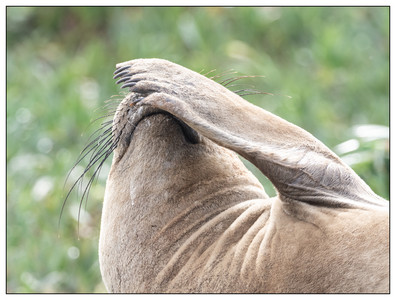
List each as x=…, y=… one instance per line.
x=129, y=113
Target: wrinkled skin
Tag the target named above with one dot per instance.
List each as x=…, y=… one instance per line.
x=182, y=213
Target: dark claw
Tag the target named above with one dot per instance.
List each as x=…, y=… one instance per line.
x=123, y=79
x=128, y=84
x=120, y=74
x=120, y=69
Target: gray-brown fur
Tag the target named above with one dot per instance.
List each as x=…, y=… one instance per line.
x=182, y=213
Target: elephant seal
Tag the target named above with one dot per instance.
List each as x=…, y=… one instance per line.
x=182, y=214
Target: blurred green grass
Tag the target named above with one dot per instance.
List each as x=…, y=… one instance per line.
x=333, y=62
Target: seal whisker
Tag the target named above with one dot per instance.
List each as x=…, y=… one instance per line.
x=222, y=74
x=112, y=103
x=101, y=140
x=109, y=114
x=95, y=140
x=111, y=106
x=115, y=98
x=104, y=142
x=100, y=155
x=207, y=73
x=92, y=179
x=229, y=80
x=240, y=84
x=85, y=152
x=101, y=145
x=246, y=92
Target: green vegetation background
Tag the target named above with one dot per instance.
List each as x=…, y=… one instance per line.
x=327, y=67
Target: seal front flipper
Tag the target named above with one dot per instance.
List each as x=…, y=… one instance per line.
x=300, y=166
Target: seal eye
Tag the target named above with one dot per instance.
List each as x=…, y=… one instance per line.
x=190, y=134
